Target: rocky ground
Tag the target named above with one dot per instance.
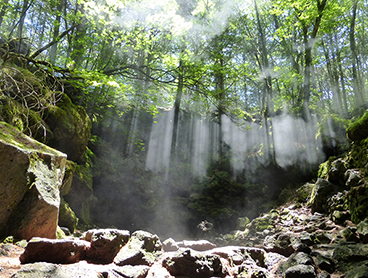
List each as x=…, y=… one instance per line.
x=286, y=242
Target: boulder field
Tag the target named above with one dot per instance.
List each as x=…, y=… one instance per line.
x=286, y=242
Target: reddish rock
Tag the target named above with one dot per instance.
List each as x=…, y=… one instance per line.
x=105, y=244
x=63, y=251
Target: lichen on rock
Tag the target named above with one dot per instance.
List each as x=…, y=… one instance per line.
x=30, y=176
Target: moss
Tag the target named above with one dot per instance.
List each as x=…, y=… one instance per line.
x=358, y=203
x=70, y=168
x=60, y=233
x=358, y=130
x=358, y=156
x=67, y=217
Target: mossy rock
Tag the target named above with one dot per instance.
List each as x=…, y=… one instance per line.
x=260, y=224
x=303, y=193
x=70, y=168
x=358, y=156
x=71, y=127
x=67, y=217
x=358, y=130
x=358, y=203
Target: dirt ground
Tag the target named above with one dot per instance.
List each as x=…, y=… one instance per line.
x=9, y=259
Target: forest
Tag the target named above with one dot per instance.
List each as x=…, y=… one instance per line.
x=213, y=106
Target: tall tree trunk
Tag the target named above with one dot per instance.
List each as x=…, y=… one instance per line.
x=56, y=31
x=78, y=44
x=179, y=94
x=267, y=106
x=359, y=98
x=4, y=6
x=22, y=18
x=308, y=60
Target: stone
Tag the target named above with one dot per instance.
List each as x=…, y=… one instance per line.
x=63, y=251
x=170, y=245
x=362, y=230
x=80, y=196
x=30, y=176
x=360, y=271
x=300, y=271
x=129, y=271
x=345, y=254
x=350, y=234
x=197, y=245
x=353, y=177
x=358, y=130
x=279, y=243
x=71, y=128
x=105, y=244
x=237, y=255
x=322, y=190
x=325, y=263
x=67, y=217
x=43, y=269
x=141, y=249
x=194, y=264
x=273, y=259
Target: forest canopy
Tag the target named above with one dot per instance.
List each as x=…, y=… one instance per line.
x=226, y=57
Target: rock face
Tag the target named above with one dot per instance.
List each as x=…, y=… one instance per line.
x=30, y=176
x=71, y=128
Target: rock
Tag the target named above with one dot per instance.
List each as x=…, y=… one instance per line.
x=63, y=251
x=322, y=190
x=360, y=271
x=350, y=234
x=353, y=177
x=295, y=259
x=279, y=243
x=325, y=263
x=362, y=230
x=358, y=202
x=300, y=271
x=345, y=254
x=129, y=271
x=105, y=244
x=30, y=176
x=43, y=269
x=141, y=249
x=71, y=127
x=80, y=196
x=324, y=274
x=194, y=264
x=170, y=245
x=67, y=216
x=252, y=270
x=237, y=255
x=336, y=173
x=358, y=130
x=197, y=245
x=273, y=259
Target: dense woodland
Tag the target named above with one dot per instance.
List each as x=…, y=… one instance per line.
x=239, y=62
x=232, y=57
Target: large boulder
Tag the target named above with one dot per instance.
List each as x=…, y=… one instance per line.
x=322, y=190
x=30, y=176
x=141, y=249
x=63, y=251
x=105, y=244
x=358, y=130
x=194, y=264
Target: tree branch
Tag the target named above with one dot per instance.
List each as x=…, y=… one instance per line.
x=39, y=51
